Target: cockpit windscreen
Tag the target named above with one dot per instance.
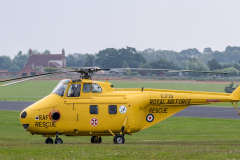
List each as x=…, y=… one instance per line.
x=60, y=88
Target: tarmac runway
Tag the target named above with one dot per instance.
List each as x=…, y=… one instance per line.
x=192, y=111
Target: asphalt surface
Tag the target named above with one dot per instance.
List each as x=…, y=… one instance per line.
x=192, y=111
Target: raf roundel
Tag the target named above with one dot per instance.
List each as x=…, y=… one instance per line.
x=150, y=118
x=94, y=122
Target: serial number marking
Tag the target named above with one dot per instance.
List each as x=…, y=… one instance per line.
x=158, y=110
x=166, y=95
x=170, y=101
x=213, y=100
x=45, y=124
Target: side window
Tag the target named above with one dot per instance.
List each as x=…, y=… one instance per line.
x=93, y=109
x=74, y=90
x=86, y=87
x=112, y=109
x=96, y=88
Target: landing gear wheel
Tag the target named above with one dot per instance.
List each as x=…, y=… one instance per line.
x=96, y=139
x=49, y=141
x=58, y=141
x=118, y=139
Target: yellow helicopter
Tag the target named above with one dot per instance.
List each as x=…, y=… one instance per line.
x=83, y=107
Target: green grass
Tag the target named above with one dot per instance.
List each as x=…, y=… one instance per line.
x=35, y=90
x=173, y=138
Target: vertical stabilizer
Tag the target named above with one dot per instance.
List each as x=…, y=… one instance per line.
x=236, y=94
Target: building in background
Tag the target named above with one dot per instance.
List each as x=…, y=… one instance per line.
x=6, y=73
x=47, y=60
x=37, y=62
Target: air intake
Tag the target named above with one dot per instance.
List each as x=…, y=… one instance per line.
x=25, y=126
x=54, y=115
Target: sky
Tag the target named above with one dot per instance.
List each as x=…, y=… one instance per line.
x=87, y=26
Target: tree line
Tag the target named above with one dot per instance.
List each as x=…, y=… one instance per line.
x=129, y=57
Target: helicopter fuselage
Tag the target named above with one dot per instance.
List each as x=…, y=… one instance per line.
x=105, y=111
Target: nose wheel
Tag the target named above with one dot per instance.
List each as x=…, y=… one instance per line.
x=96, y=139
x=118, y=139
x=58, y=141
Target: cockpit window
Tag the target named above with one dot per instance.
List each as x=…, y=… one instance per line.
x=96, y=88
x=60, y=89
x=86, y=87
x=65, y=81
x=74, y=90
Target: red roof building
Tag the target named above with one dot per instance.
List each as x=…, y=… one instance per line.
x=6, y=73
x=30, y=71
x=57, y=60
x=37, y=62
x=54, y=65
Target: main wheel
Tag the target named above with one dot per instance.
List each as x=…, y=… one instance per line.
x=58, y=141
x=96, y=139
x=118, y=139
x=49, y=141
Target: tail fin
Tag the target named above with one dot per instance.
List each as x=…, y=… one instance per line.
x=236, y=94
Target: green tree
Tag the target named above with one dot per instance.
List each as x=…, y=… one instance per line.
x=20, y=60
x=5, y=62
x=183, y=65
x=190, y=53
x=139, y=58
x=213, y=64
x=229, y=88
x=236, y=66
x=196, y=65
x=108, y=58
x=46, y=52
x=205, y=58
x=163, y=64
x=231, y=70
x=14, y=68
x=207, y=50
x=89, y=61
x=151, y=54
x=70, y=61
x=125, y=65
x=113, y=58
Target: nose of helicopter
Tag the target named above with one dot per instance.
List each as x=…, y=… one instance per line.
x=25, y=119
x=27, y=116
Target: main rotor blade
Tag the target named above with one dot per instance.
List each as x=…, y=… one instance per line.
x=46, y=74
x=22, y=80
x=168, y=70
x=82, y=70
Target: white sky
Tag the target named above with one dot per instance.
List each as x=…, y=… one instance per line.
x=89, y=26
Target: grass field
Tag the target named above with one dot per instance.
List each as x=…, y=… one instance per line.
x=35, y=90
x=173, y=138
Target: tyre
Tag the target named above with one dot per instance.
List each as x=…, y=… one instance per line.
x=49, y=141
x=95, y=140
x=118, y=139
x=58, y=141
x=100, y=140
